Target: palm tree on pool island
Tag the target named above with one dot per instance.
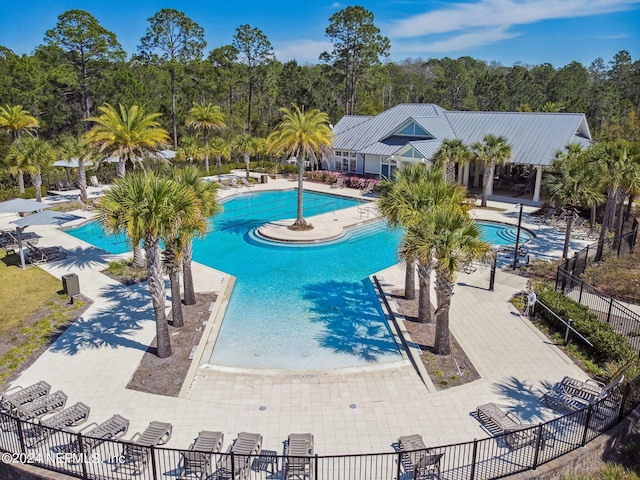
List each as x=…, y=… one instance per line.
x=304, y=135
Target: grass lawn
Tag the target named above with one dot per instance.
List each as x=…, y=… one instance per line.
x=23, y=291
x=34, y=310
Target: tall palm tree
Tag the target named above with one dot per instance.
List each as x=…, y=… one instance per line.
x=221, y=149
x=78, y=148
x=205, y=193
x=129, y=134
x=456, y=239
x=305, y=135
x=573, y=183
x=246, y=145
x=189, y=150
x=491, y=151
x=148, y=208
x=410, y=202
x=206, y=118
x=16, y=120
x=34, y=156
x=617, y=168
x=452, y=152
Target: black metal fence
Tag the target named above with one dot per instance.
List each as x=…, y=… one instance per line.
x=621, y=245
x=83, y=457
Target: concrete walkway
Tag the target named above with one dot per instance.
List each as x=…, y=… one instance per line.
x=348, y=411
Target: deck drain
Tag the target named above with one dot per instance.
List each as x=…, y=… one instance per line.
x=353, y=405
x=262, y=408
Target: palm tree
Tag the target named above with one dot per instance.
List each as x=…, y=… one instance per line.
x=573, y=183
x=189, y=150
x=221, y=149
x=33, y=156
x=205, y=192
x=410, y=202
x=129, y=134
x=15, y=120
x=491, y=151
x=305, y=135
x=456, y=240
x=207, y=118
x=148, y=208
x=618, y=170
x=78, y=148
x=452, y=152
x=246, y=145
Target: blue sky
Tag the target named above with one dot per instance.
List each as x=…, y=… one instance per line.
x=507, y=31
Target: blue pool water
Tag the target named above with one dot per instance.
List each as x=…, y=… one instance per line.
x=292, y=307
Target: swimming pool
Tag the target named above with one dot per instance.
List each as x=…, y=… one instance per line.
x=291, y=307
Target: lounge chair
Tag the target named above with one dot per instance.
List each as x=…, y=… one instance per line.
x=67, y=185
x=93, y=435
x=197, y=461
x=61, y=187
x=94, y=181
x=298, y=453
x=246, y=183
x=237, y=461
x=571, y=394
x=136, y=453
x=37, y=255
x=41, y=406
x=546, y=218
x=417, y=459
x=339, y=183
x=368, y=188
x=497, y=422
x=19, y=396
x=69, y=417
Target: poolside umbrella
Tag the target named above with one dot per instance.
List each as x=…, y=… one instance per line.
x=22, y=205
x=45, y=217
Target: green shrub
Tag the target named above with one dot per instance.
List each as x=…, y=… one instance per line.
x=607, y=344
x=117, y=267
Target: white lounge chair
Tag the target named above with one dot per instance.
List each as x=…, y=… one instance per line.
x=75, y=415
x=198, y=460
x=237, y=461
x=417, y=459
x=298, y=453
x=136, y=453
x=498, y=422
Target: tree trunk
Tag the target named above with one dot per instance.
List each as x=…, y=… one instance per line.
x=300, y=221
x=37, y=183
x=206, y=151
x=451, y=172
x=173, y=108
x=157, y=291
x=424, y=294
x=410, y=280
x=189, y=290
x=619, y=220
x=176, y=302
x=219, y=164
x=20, y=182
x=444, y=291
x=608, y=210
x=138, y=258
x=121, y=169
x=246, y=163
x=82, y=181
x=567, y=235
x=486, y=178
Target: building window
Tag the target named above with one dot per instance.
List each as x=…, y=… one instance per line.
x=346, y=161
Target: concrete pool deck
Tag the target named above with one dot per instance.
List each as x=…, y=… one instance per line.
x=94, y=359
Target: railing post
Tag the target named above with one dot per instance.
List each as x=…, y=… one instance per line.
x=586, y=426
x=233, y=466
x=586, y=257
x=575, y=262
x=398, y=469
x=472, y=473
x=566, y=335
x=315, y=466
x=557, y=278
x=610, y=308
x=536, y=454
x=83, y=460
x=154, y=472
x=23, y=447
x=581, y=287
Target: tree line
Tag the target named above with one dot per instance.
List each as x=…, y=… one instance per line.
x=80, y=66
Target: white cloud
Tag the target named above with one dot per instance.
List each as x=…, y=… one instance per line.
x=500, y=13
x=458, y=42
x=302, y=51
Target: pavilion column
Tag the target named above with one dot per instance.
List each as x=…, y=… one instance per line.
x=538, y=186
x=476, y=176
x=465, y=175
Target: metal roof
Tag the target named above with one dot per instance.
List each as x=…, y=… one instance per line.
x=534, y=137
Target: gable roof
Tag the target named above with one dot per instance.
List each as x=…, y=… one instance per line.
x=534, y=137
